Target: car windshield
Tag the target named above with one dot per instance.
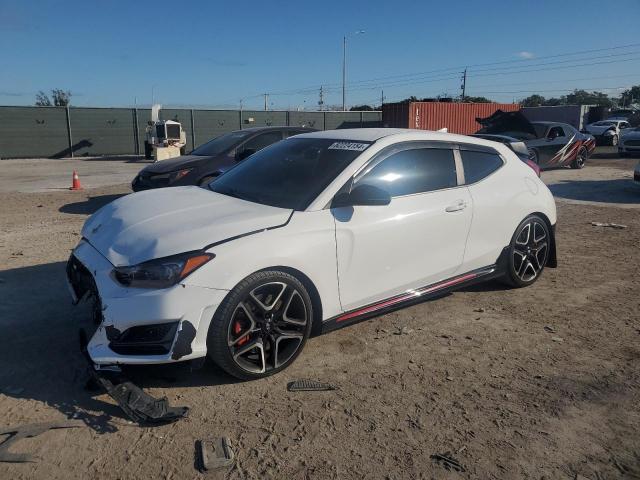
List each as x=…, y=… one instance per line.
x=220, y=144
x=289, y=174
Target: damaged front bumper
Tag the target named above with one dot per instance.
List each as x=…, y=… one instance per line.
x=140, y=326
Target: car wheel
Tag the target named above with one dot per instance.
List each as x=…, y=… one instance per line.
x=581, y=158
x=533, y=156
x=206, y=180
x=261, y=326
x=528, y=252
x=614, y=140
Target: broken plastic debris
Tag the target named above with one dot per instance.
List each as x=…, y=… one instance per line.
x=607, y=224
x=214, y=454
x=140, y=406
x=309, y=386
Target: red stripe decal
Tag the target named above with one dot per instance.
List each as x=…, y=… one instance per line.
x=405, y=296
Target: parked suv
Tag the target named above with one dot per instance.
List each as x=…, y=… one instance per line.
x=211, y=159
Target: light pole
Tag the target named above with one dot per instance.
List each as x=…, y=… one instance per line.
x=344, y=68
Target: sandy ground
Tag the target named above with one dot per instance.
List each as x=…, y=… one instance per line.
x=46, y=174
x=542, y=382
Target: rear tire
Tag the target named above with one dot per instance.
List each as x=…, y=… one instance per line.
x=261, y=326
x=581, y=158
x=614, y=141
x=528, y=252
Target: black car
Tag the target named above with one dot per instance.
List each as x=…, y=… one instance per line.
x=211, y=159
x=550, y=144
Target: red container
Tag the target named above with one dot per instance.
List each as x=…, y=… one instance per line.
x=455, y=117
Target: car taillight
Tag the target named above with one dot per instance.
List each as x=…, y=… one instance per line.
x=534, y=166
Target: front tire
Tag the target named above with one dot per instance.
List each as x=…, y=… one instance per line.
x=614, y=141
x=528, y=252
x=261, y=326
x=581, y=158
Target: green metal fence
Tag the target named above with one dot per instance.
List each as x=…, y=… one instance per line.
x=27, y=132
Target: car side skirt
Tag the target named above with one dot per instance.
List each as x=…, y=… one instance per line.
x=415, y=296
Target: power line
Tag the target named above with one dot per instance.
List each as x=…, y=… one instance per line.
x=442, y=71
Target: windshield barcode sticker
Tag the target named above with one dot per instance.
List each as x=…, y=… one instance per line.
x=357, y=147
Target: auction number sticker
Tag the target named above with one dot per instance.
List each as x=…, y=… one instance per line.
x=355, y=146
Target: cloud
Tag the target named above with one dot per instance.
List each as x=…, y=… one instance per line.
x=526, y=55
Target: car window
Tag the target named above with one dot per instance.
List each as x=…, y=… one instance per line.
x=263, y=140
x=478, y=165
x=220, y=144
x=291, y=133
x=624, y=125
x=555, y=132
x=289, y=174
x=415, y=170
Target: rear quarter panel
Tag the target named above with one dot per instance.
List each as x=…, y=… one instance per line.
x=500, y=202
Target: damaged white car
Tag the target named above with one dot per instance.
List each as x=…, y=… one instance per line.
x=311, y=234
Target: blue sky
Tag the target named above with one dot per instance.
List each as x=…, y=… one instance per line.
x=210, y=53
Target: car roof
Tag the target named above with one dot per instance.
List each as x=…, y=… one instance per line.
x=275, y=127
x=374, y=134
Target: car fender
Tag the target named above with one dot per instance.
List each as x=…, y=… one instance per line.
x=313, y=253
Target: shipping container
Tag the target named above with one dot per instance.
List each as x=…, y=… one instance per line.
x=455, y=117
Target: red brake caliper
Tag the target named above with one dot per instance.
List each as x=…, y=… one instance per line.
x=237, y=328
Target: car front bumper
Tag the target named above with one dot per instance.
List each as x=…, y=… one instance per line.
x=140, y=326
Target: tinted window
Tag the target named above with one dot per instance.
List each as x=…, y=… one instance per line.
x=555, y=132
x=288, y=174
x=291, y=133
x=478, y=165
x=263, y=140
x=220, y=144
x=413, y=171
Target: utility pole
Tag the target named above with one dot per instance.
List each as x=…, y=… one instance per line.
x=241, y=105
x=266, y=101
x=344, y=72
x=381, y=99
x=321, y=101
x=464, y=84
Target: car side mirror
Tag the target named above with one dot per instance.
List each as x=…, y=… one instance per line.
x=362, y=195
x=247, y=152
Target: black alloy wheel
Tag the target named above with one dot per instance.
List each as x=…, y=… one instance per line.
x=581, y=158
x=261, y=326
x=528, y=252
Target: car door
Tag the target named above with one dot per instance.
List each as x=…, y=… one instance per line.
x=416, y=240
x=555, y=139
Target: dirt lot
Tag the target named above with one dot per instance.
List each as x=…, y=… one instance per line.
x=542, y=382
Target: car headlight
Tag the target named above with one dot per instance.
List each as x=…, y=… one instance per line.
x=161, y=272
x=175, y=176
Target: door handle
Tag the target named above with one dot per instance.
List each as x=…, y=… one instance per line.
x=456, y=207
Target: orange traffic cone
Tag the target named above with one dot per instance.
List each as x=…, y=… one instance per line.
x=75, y=183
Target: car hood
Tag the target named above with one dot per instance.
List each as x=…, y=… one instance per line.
x=597, y=130
x=631, y=135
x=167, y=221
x=173, y=164
x=501, y=122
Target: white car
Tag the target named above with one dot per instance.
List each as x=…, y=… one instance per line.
x=607, y=132
x=629, y=142
x=310, y=234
